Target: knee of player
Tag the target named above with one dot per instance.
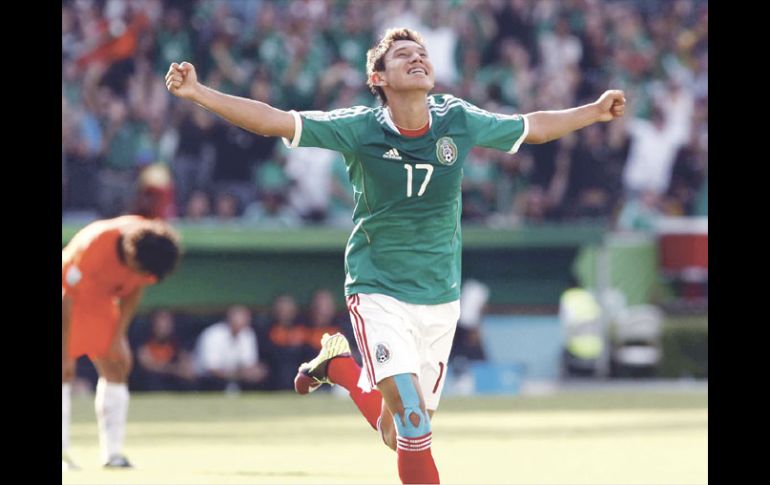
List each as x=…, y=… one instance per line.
x=412, y=419
x=122, y=367
x=413, y=423
x=68, y=375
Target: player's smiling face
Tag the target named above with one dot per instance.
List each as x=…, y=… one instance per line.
x=408, y=67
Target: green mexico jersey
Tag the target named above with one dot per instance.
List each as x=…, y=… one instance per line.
x=407, y=241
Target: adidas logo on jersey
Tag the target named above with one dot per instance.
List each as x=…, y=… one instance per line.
x=392, y=154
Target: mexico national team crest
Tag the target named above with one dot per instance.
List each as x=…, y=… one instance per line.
x=446, y=150
x=382, y=353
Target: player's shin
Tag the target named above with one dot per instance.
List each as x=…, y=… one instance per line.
x=345, y=372
x=415, y=460
x=66, y=391
x=111, y=406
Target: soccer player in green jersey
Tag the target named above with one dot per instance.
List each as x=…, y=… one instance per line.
x=402, y=261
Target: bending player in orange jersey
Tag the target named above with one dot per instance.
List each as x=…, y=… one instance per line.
x=105, y=268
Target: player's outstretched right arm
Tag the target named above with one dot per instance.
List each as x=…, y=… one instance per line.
x=255, y=116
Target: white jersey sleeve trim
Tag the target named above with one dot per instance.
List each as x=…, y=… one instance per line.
x=294, y=143
x=524, y=134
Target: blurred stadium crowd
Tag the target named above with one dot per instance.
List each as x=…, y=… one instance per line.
x=128, y=146
x=239, y=348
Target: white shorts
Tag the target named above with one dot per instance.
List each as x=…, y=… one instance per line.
x=402, y=338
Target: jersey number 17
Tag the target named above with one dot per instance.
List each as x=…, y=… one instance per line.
x=419, y=166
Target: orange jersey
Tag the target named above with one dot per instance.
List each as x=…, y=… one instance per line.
x=291, y=336
x=95, y=278
x=162, y=352
x=314, y=334
x=91, y=265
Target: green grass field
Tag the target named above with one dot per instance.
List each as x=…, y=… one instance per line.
x=587, y=437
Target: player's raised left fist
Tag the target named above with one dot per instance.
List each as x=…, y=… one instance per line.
x=181, y=80
x=612, y=104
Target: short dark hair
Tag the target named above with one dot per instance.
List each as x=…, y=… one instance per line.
x=375, y=57
x=155, y=247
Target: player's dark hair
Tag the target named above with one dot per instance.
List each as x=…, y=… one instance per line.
x=375, y=57
x=155, y=248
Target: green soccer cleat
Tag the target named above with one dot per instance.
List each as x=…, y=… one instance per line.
x=311, y=375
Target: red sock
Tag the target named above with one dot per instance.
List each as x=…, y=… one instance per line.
x=415, y=460
x=345, y=372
